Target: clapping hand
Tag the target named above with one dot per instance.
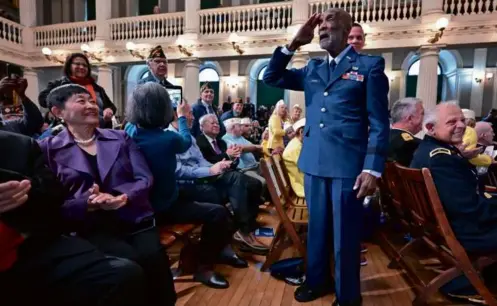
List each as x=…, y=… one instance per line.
x=108, y=113
x=13, y=194
x=220, y=167
x=105, y=201
x=234, y=151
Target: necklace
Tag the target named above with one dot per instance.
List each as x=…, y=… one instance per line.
x=87, y=141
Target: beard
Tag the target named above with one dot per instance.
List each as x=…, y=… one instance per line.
x=332, y=41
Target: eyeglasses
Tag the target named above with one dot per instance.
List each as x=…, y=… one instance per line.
x=208, y=91
x=160, y=61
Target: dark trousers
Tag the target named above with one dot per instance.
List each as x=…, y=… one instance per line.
x=335, y=217
x=69, y=271
x=217, y=227
x=235, y=187
x=145, y=249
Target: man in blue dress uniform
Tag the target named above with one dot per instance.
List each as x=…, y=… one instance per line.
x=344, y=148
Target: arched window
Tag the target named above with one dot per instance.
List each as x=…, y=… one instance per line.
x=414, y=69
x=145, y=75
x=208, y=75
x=261, y=73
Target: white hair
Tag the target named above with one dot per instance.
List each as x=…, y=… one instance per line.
x=229, y=125
x=431, y=115
x=403, y=108
x=204, y=118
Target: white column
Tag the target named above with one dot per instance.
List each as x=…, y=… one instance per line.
x=428, y=77
x=432, y=7
x=27, y=14
x=33, y=89
x=103, y=14
x=192, y=90
x=117, y=92
x=191, y=16
x=106, y=81
x=300, y=11
x=171, y=6
x=299, y=60
x=171, y=71
x=494, y=99
x=479, y=65
x=79, y=10
x=234, y=73
x=388, y=71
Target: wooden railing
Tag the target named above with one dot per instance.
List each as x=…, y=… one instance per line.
x=147, y=27
x=10, y=31
x=65, y=33
x=247, y=18
x=364, y=11
x=470, y=7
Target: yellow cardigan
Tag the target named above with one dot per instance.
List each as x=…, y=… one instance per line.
x=276, y=133
x=290, y=157
x=471, y=140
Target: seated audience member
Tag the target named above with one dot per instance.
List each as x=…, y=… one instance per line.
x=202, y=181
x=478, y=137
x=77, y=70
x=235, y=112
x=32, y=120
x=291, y=157
x=214, y=149
x=108, y=183
x=150, y=110
x=471, y=214
x=407, y=118
x=246, y=127
x=39, y=266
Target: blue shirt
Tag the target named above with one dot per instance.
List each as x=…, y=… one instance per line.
x=191, y=164
x=160, y=148
x=247, y=159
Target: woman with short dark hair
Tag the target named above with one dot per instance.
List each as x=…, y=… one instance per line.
x=77, y=70
x=108, y=183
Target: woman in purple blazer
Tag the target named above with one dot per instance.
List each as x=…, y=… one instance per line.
x=108, y=183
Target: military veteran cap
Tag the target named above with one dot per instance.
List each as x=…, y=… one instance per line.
x=157, y=52
x=206, y=86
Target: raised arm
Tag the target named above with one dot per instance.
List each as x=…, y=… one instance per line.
x=182, y=139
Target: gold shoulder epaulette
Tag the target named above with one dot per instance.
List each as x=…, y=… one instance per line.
x=440, y=151
x=406, y=136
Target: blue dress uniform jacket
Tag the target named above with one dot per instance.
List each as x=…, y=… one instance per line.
x=339, y=110
x=472, y=215
x=341, y=105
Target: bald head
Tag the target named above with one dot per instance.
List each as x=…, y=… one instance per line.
x=445, y=123
x=485, y=133
x=334, y=30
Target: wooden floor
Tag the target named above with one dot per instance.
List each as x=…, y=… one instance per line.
x=251, y=287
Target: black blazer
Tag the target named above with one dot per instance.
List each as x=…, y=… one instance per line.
x=21, y=158
x=208, y=152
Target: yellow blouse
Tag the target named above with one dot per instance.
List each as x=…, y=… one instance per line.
x=290, y=157
x=276, y=133
x=471, y=140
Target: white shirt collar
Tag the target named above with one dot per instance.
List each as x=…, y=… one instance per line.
x=340, y=56
x=209, y=139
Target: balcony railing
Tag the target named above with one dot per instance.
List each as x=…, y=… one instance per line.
x=247, y=18
x=147, y=27
x=364, y=11
x=65, y=34
x=470, y=7
x=10, y=31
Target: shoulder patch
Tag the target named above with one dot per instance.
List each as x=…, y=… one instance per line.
x=440, y=151
x=487, y=195
x=406, y=136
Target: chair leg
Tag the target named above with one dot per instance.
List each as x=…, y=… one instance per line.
x=394, y=264
x=480, y=286
x=276, y=247
x=435, y=284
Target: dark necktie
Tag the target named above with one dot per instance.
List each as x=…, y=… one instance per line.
x=210, y=110
x=333, y=65
x=216, y=147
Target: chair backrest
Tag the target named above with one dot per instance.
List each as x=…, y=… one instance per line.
x=278, y=199
x=282, y=175
x=392, y=187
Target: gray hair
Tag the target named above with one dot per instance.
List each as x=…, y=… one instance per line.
x=150, y=106
x=403, y=108
x=431, y=116
x=229, y=126
x=204, y=118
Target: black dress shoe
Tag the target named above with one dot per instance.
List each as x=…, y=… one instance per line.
x=354, y=303
x=211, y=279
x=235, y=261
x=306, y=294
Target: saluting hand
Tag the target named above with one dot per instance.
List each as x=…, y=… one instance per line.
x=366, y=183
x=306, y=33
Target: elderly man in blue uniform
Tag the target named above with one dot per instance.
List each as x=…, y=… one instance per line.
x=471, y=214
x=345, y=95
x=157, y=66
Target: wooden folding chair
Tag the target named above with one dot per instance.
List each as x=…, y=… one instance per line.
x=290, y=216
x=428, y=213
x=284, y=181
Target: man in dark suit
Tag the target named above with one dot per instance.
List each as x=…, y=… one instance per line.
x=214, y=148
x=346, y=95
x=37, y=263
x=203, y=107
x=157, y=66
x=407, y=118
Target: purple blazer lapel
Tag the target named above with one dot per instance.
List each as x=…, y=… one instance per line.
x=69, y=154
x=108, y=149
